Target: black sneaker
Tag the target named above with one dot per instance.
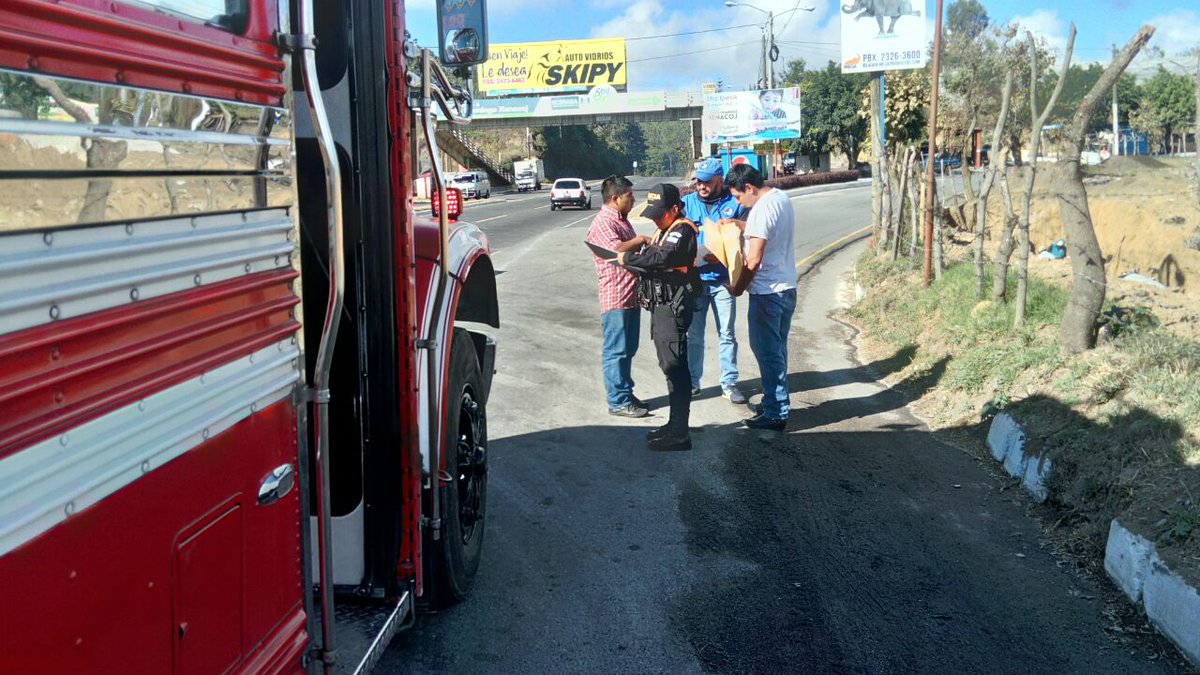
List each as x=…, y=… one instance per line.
x=658, y=432
x=761, y=421
x=639, y=402
x=671, y=443
x=629, y=410
x=695, y=392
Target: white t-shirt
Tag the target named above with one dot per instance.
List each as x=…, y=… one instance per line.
x=772, y=219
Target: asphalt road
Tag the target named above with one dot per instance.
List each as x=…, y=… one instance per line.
x=854, y=543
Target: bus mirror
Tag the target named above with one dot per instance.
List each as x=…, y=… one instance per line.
x=462, y=32
x=454, y=204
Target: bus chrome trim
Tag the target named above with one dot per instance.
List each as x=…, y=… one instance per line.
x=110, y=266
x=47, y=483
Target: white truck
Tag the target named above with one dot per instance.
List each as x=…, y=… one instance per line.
x=530, y=173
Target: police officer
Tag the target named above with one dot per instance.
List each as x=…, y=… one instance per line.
x=668, y=286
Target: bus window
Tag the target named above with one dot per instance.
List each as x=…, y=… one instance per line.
x=229, y=15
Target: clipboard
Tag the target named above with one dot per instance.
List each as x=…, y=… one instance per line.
x=601, y=252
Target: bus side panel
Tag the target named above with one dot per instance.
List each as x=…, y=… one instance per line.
x=155, y=579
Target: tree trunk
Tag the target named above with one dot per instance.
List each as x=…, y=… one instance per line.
x=885, y=210
x=938, y=225
x=1078, y=329
x=898, y=227
x=1035, y=139
x=988, y=182
x=1196, y=128
x=969, y=202
x=1008, y=242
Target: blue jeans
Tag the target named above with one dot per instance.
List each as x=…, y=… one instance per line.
x=724, y=307
x=622, y=327
x=770, y=317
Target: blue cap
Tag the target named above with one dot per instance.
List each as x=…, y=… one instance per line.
x=708, y=169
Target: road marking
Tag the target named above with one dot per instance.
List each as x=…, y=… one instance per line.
x=830, y=245
x=575, y=222
x=484, y=220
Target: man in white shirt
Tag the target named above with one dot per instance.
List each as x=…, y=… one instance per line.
x=770, y=275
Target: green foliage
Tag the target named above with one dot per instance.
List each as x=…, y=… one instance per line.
x=668, y=149
x=966, y=20
x=906, y=105
x=1167, y=106
x=22, y=95
x=830, y=105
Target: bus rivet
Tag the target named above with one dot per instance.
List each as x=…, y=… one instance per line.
x=34, y=63
x=187, y=87
x=133, y=294
x=55, y=312
x=69, y=509
x=64, y=440
x=196, y=280
x=206, y=434
x=129, y=229
x=142, y=405
x=254, y=407
x=48, y=239
x=58, y=397
x=247, y=268
x=146, y=466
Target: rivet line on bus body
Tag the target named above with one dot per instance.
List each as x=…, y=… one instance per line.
x=48, y=239
x=55, y=312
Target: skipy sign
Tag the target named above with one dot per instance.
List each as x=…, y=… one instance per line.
x=541, y=67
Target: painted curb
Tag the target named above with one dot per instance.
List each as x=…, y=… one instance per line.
x=1007, y=442
x=1170, y=603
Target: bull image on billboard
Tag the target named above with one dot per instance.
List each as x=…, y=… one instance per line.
x=750, y=116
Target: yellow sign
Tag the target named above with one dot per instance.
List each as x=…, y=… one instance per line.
x=565, y=64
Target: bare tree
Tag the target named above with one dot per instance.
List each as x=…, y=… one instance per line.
x=989, y=180
x=1008, y=243
x=905, y=168
x=1078, y=330
x=1035, y=140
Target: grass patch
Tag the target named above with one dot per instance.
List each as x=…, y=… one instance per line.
x=1121, y=422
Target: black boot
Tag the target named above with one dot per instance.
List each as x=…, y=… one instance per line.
x=671, y=441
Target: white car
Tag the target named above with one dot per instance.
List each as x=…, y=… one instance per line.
x=474, y=184
x=570, y=191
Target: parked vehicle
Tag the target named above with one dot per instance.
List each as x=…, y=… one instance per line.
x=570, y=192
x=239, y=287
x=529, y=174
x=472, y=184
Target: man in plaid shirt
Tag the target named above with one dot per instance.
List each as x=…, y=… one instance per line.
x=620, y=314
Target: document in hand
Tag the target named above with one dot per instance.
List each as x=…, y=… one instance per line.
x=725, y=242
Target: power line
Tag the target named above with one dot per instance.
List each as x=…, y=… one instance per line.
x=694, y=32
x=690, y=55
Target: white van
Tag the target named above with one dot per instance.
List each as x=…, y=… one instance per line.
x=474, y=184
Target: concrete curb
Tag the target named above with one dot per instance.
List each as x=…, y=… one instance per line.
x=1170, y=603
x=1006, y=440
x=1131, y=561
x=808, y=264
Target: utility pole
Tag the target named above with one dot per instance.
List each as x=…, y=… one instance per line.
x=770, y=62
x=933, y=110
x=1116, y=150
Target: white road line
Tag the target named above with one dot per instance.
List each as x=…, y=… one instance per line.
x=484, y=220
x=576, y=222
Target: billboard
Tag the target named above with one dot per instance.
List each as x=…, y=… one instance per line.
x=599, y=102
x=738, y=116
x=883, y=35
x=552, y=67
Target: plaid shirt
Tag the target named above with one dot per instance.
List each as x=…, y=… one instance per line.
x=618, y=286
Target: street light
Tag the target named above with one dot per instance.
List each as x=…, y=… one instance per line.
x=768, y=37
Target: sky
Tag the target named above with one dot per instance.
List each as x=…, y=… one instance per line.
x=728, y=49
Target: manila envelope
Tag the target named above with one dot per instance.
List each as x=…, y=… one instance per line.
x=725, y=242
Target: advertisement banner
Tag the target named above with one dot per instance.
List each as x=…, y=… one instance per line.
x=601, y=101
x=883, y=35
x=565, y=65
x=749, y=116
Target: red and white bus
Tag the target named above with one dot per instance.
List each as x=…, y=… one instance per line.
x=243, y=384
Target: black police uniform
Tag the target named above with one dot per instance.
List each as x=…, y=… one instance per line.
x=668, y=285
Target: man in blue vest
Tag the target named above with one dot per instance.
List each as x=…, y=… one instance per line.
x=711, y=202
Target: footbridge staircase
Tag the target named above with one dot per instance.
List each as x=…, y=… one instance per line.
x=455, y=143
